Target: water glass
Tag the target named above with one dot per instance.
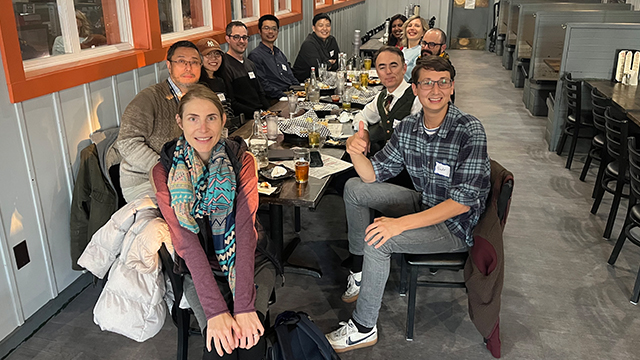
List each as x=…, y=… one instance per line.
x=272, y=127
x=293, y=104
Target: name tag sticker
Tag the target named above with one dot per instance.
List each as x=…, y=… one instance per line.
x=396, y=122
x=442, y=169
x=331, y=53
x=221, y=96
x=284, y=67
x=252, y=75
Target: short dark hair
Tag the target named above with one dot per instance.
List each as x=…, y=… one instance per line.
x=433, y=62
x=179, y=44
x=391, y=49
x=233, y=24
x=443, y=36
x=268, y=17
x=319, y=17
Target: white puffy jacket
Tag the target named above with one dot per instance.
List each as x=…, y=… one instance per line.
x=131, y=303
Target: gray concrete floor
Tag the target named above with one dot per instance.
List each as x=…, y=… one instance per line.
x=560, y=301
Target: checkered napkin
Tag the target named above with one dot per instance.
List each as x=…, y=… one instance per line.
x=300, y=127
x=365, y=96
x=316, y=106
x=331, y=79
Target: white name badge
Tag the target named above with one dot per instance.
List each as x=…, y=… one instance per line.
x=252, y=75
x=373, y=73
x=284, y=67
x=442, y=169
x=396, y=122
x=331, y=53
x=221, y=96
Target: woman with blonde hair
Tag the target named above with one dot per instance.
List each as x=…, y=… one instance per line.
x=412, y=31
x=87, y=39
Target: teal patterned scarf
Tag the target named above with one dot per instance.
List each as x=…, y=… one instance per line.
x=199, y=190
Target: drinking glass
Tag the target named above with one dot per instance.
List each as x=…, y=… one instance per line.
x=293, y=103
x=367, y=63
x=272, y=127
x=301, y=159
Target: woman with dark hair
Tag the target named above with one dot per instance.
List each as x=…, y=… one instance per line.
x=210, y=74
x=395, y=30
x=207, y=191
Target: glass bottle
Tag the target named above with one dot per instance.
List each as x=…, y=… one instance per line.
x=258, y=142
x=314, y=91
x=385, y=37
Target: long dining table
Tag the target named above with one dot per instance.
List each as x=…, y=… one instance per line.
x=291, y=194
x=625, y=97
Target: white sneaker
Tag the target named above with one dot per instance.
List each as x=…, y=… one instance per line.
x=348, y=338
x=353, y=287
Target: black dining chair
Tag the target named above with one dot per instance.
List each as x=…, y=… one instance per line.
x=444, y=261
x=616, y=171
x=632, y=222
x=599, y=104
x=578, y=123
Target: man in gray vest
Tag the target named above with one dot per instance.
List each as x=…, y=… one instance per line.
x=395, y=102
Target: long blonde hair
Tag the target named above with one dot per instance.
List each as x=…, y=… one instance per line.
x=425, y=27
x=84, y=30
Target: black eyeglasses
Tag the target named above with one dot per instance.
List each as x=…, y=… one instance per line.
x=430, y=44
x=184, y=63
x=238, y=37
x=428, y=84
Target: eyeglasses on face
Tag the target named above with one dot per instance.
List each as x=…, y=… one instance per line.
x=213, y=55
x=428, y=84
x=270, y=28
x=238, y=37
x=430, y=44
x=183, y=63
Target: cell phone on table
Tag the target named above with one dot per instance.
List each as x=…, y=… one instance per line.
x=316, y=159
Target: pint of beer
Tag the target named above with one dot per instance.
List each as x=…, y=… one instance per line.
x=301, y=160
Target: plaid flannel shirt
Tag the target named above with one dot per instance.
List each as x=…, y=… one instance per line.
x=450, y=164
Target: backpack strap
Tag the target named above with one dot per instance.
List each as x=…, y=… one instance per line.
x=283, y=323
x=313, y=332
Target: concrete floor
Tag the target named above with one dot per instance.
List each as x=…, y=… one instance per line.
x=560, y=301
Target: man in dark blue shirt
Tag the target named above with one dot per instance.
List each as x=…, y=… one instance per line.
x=272, y=66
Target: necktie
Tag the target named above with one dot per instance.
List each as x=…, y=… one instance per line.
x=387, y=103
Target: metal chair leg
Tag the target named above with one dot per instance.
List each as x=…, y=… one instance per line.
x=411, y=308
x=587, y=165
x=598, y=197
x=616, y=249
x=614, y=209
x=183, y=318
x=572, y=147
x=403, y=276
x=560, y=145
x=636, y=290
x=600, y=175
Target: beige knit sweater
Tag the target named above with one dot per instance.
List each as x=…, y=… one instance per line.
x=148, y=122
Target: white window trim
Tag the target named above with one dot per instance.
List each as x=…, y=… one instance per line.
x=283, y=11
x=178, y=25
x=256, y=9
x=67, y=16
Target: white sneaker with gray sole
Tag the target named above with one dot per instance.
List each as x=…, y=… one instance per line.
x=347, y=337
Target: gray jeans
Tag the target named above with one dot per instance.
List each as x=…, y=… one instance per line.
x=392, y=201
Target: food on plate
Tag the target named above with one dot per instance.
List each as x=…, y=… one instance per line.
x=278, y=171
x=267, y=113
x=374, y=81
x=301, y=93
x=322, y=85
x=317, y=107
x=264, y=185
x=354, y=97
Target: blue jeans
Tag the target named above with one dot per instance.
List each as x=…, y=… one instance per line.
x=392, y=201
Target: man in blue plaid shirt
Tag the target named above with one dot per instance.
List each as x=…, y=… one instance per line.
x=445, y=152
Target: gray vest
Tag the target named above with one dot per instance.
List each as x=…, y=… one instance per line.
x=380, y=132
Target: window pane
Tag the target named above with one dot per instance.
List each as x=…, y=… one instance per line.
x=319, y=2
x=281, y=5
x=191, y=10
x=242, y=9
x=41, y=32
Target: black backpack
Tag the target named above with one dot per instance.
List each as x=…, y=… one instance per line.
x=296, y=337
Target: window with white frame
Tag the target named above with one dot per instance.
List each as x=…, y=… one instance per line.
x=246, y=10
x=183, y=17
x=67, y=27
x=281, y=6
x=319, y=2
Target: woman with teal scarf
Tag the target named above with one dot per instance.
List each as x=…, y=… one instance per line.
x=210, y=209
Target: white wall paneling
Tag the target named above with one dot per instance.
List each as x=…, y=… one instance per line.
x=11, y=315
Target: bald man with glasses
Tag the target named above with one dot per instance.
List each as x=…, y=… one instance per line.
x=434, y=42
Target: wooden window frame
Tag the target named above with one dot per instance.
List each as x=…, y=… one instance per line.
x=332, y=5
x=148, y=48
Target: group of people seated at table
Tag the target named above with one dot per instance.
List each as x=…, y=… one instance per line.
x=206, y=185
